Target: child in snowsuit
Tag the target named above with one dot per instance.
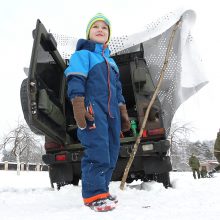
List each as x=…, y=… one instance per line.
x=99, y=110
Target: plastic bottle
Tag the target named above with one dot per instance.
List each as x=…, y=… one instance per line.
x=134, y=127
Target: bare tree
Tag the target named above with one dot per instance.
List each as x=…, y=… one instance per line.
x=179, y=140
x=179, y=133
x=19, y=140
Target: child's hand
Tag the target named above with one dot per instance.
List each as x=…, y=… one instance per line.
x=125, y=123
x=80, y=113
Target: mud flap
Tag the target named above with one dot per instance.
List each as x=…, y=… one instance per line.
x=157, y=164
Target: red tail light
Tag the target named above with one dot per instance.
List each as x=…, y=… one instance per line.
x=156, y=131
x=60, y=157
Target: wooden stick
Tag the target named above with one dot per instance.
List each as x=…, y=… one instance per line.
x=134, y=150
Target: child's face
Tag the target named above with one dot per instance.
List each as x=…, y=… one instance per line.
x=99, y=32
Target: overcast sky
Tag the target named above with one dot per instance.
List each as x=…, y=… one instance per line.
x=18, y=19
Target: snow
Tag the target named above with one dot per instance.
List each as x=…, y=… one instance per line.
x=29, y=197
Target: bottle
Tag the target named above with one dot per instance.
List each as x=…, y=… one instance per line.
x=134, y=127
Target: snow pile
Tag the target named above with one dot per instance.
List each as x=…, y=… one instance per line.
x=29, y=197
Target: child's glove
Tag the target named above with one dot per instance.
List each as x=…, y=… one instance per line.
x=80, y=113
x=125, y=123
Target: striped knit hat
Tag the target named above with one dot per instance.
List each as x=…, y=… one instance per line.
x=98, y=17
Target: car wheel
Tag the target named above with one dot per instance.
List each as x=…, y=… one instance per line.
x=165, y=179
x=160, y=178
x=75, y=181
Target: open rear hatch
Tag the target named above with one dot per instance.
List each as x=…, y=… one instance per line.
x=50, y=111
x=46, y=87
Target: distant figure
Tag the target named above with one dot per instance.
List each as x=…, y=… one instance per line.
x=195, y=165
x=203, y=172
x=216, y=153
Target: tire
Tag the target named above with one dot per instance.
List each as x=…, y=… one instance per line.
x=51, y=182
x=129, y=180
x=24, y=105
x=165, y=179
x=160, y=178
x=75, y=181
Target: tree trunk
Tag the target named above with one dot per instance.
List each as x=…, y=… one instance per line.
x=18, y=165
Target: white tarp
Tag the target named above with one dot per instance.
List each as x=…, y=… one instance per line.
x=184, y=75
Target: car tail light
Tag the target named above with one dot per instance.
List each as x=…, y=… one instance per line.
x=60, y=157
x=156, y=131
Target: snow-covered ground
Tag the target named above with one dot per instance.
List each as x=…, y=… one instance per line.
x=29, y=197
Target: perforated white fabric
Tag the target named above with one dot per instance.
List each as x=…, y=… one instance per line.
x=184, y=75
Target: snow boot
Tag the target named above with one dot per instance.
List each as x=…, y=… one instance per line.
x=112, y=198
x=102, y=205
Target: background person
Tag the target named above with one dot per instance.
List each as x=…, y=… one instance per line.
x=216, y=153
x=195, y=165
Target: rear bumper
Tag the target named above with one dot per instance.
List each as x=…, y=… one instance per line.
x=145, y=161
x=157, y=149
x=71, y=157
x=148, y=150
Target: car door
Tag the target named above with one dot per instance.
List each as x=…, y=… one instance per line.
x=46, y=87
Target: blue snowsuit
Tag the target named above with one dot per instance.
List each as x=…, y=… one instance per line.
x=94, y=75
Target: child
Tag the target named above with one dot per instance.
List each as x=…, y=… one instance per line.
x=99, y=110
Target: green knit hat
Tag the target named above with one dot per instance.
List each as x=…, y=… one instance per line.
x=98, y=17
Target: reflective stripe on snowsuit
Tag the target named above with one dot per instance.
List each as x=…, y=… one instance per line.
x=88, y=76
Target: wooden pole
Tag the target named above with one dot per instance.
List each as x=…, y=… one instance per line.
x=134, y=150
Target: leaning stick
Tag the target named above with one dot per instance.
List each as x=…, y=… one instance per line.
x=134, y=150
